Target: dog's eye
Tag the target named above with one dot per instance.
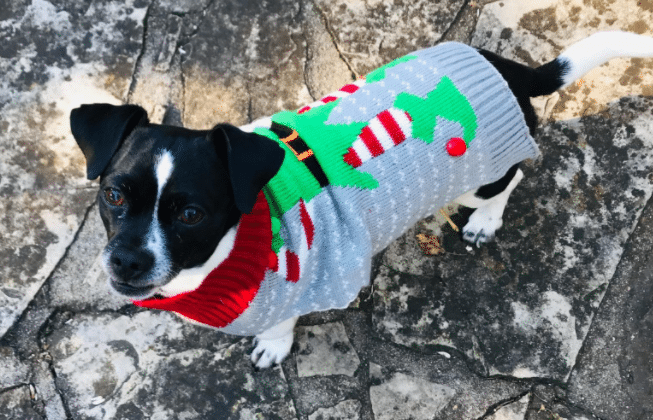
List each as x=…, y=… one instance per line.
x=191, y=216
x=114, y=197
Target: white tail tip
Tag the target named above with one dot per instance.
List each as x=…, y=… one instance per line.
x=601, y=47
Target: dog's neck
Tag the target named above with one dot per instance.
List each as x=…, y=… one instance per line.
x=190, y=279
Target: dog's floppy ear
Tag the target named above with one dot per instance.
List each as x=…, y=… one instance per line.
x=99, y=129
x=252, y=160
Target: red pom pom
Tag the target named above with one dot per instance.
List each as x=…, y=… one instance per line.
x=456, y=146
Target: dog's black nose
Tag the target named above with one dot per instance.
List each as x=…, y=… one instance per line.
x=128, y=264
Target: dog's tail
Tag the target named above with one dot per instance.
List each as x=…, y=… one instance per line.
x=586, y=54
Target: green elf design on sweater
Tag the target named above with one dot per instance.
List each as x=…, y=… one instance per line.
x=337, y=158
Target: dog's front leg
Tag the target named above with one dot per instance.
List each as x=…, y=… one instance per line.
x=273, y=345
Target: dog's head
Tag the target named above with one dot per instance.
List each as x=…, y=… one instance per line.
x=167, y=194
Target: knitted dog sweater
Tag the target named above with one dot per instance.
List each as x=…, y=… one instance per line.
x=362, y=166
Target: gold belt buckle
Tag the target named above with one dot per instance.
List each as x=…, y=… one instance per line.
x=299, y=156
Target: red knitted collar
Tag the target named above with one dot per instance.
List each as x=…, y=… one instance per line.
x=229, y=289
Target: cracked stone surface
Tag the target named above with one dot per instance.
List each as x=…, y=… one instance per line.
x=104, y=366
x=16, y=404
x=12, y=371
x=617, y=360
x=369, y=34
x=552, y=321
x=407, y=397
x=545, y=289
x=53, y=58
x=245, y=58
x=346, y=410
x=513, y=411
x=79, y=282
x=325, y=350
x=585, y=210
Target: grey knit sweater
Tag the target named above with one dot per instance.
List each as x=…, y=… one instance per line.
x=365, y=163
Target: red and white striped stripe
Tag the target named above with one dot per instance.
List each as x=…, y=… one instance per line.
x=344, y=91
x=289, y=263
x=388, y=129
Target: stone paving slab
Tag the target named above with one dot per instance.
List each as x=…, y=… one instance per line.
x=553, y=321
x=14, y=404
x=12, y=371
x=48, y=53
x=78, y=282
x=544, y=278
x=403, y=397
x=346, y=410
x=617, y=359
x=325, y=350
x=149, y=365
x=512, y=411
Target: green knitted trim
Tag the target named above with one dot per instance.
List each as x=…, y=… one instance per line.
x=445, y=101
x=379, y=74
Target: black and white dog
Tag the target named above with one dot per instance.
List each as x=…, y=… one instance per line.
x=171, y=198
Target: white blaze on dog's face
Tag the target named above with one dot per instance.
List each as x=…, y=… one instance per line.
x=189, y=278
x=166, y=203
x=155, y=241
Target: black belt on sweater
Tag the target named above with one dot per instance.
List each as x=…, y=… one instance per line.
x=302, y=152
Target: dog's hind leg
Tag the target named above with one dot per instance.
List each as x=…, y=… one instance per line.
x=490, y=202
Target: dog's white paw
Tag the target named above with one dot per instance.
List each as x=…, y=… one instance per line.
x=273, y=344
x=482, y=225
x=268, y=352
